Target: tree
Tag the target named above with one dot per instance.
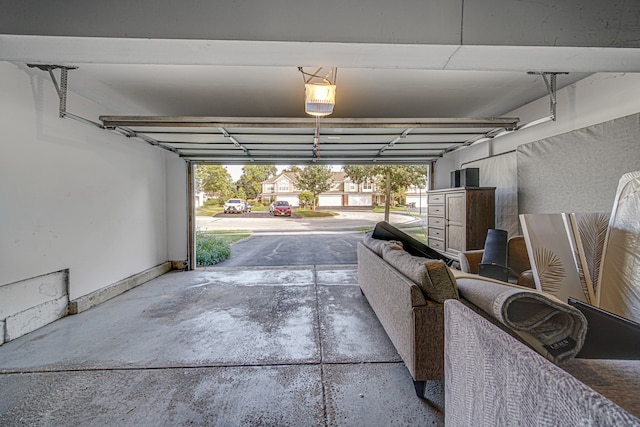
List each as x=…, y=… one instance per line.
x=403, y=177
x=397, y=178
x=292, y=168
x=305, y=198
x=315, y=179
x=359, y=173
x=215, y=181
x=251, y=179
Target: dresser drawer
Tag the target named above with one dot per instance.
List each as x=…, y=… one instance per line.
x=436, y=221
x=438, y=233
x=436, y=210
x=435, y=199
x=436, y=244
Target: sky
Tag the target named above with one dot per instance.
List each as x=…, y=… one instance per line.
x=236, y=170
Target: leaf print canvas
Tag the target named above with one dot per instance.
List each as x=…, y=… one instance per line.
x=552, y=256
x=587, y=232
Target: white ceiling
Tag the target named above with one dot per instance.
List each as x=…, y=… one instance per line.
x=255, y=91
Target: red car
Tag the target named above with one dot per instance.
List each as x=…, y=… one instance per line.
x=280, y=207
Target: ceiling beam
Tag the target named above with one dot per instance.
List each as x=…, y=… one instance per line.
x=304, y=122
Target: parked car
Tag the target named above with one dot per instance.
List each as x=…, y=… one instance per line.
x=234, y=206
x=247, y=207
x=280, y=207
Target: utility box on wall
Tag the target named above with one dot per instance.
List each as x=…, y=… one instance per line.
x=468, y=177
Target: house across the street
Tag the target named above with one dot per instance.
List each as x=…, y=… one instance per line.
x=343, y=192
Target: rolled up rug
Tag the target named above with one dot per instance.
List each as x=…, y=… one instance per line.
x=552, y=328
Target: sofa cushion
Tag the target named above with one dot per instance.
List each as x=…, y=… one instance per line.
x=377, y=245
x=432, y=276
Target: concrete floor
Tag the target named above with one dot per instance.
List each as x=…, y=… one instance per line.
x=251, y=346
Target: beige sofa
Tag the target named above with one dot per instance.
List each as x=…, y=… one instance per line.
x=414, y=324
x=501, y=361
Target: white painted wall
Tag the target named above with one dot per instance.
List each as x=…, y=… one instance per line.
x=596, y=99
x=76, y=197
x=177, y=209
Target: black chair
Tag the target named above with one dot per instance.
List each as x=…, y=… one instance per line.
x=494, y=258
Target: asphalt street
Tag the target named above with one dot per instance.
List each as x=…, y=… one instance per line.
x=287, y=241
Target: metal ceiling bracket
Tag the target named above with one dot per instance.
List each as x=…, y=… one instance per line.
x=60, y=88
x=63, y=113
x=329, y=78
x=549, y=78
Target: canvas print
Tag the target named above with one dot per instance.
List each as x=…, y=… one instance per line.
x=552, y=256
x=587, y=232
x=619, y=290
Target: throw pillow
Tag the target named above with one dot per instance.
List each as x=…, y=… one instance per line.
x=442, y=280
x=377, y=245
x=432, y=276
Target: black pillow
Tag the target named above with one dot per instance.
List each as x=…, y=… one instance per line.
x=385, y=231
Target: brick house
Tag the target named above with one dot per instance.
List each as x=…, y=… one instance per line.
x=343, y=192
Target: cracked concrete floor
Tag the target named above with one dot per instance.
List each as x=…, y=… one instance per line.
x=251, y=346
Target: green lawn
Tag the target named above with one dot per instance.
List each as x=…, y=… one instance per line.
x=227, y=236
x=308, y=213
x=208, y=210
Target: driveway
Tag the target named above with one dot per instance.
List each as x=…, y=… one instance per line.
x=284, y=241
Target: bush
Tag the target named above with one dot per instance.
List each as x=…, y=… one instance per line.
x=211, y=202
x=210, y=250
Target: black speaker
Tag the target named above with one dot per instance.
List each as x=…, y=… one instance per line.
x=469, y=177
x=455, y=179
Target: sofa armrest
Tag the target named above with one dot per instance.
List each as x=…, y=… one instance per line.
x=470, y=260
x=427, y=360
x=493, y=379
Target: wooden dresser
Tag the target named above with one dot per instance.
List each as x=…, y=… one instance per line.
x=458, y=218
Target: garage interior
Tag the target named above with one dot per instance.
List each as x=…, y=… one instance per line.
x=149, y=92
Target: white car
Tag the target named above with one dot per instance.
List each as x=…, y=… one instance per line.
x=234, y=206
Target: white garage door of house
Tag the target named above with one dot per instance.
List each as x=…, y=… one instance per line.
x=293, y=200
x=360, y=200
x=330, y=201
x=419, y=201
